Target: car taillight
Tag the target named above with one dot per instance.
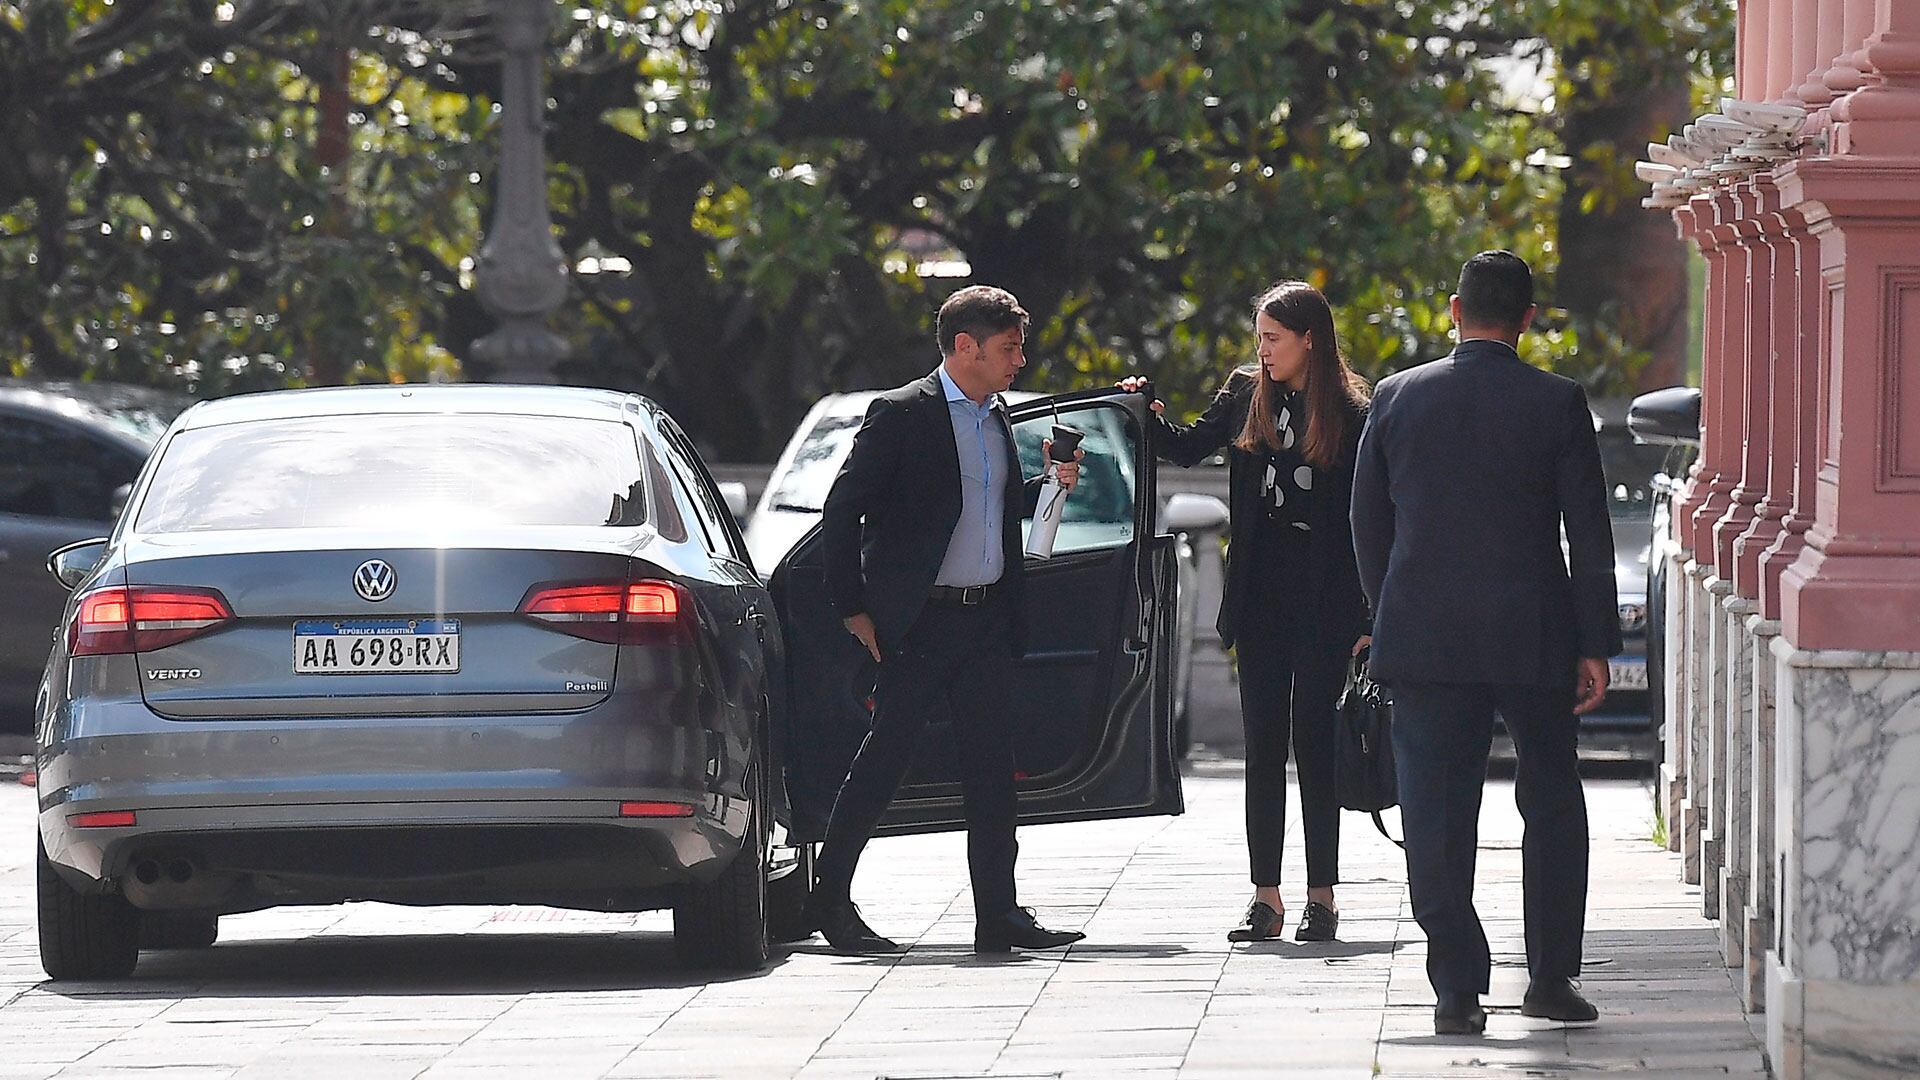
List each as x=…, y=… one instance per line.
x=142, y=618
x=623, y=613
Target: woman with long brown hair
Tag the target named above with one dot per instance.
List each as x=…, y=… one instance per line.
x=1292, y=608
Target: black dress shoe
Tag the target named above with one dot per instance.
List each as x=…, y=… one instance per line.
x=1318, y=922
x=1556, y=999
x=840, y=923
x=1262, y=924
x=1459, y=1014
x=1017, y=930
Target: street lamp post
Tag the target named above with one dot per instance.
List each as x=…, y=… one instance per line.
x=521, y=276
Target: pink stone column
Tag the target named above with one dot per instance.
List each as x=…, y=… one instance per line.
x=1798, y=391
x=1721, y=369
x=1770, y=398
x=1856, y=584
x=1845, y=75
x=1746, y=370
x=1705, y=496
x=1882, y=118
x=1780, y=34
x=1808, y=61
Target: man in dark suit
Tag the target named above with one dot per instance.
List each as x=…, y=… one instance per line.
x=923, y=563
x=1469, y=467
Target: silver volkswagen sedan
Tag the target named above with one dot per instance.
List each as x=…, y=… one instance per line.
x=430, y=644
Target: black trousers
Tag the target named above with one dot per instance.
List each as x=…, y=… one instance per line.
x=1290, y=683
x=1441, y=735
x=954, y=666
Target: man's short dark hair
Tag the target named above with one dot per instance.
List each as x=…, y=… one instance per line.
x=979, y=311
x=1496, y=289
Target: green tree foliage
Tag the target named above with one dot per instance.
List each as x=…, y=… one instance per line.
x=266, y=191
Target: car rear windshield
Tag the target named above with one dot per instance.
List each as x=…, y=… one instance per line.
x=343, y=471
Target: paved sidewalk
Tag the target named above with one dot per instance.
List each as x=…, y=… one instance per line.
x=372, y=991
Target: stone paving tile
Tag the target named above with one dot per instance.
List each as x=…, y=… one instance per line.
x=371, y=991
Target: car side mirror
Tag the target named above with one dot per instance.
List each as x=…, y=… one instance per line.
x=1189, y=512
x=734, y=493
x=118, y=502
x=72, y=564
x=1669, y=417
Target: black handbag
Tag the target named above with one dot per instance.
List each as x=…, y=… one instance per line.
x=1363, y=747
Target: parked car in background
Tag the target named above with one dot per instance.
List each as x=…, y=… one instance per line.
x=797, y=488
x=69, y=451
x=1631, y=470
x=1669, y=421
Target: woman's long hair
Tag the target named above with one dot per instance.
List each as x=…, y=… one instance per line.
x=1335, y=394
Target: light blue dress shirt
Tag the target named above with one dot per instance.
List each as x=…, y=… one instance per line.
x=974, y=555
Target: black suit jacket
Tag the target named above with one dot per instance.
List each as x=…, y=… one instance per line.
x=1468, y=467
x=1336, y=602
x=887, y=522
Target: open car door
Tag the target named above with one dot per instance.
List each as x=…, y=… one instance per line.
x=1092, y=699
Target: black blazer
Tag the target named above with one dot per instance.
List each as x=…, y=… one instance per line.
x=1336, y=601
x=886, y=524
x=1468, y=467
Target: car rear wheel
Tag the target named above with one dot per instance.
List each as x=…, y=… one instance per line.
x=178, y=930
x=723, y=923
x=81, y=936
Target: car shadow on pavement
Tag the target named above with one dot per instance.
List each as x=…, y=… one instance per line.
x=406, y=964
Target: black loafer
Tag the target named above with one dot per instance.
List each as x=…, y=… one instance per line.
x=1318, y=922
x=1556, y=999
x=840, y=923
x=1017, y=930
x=1459, y=1014
x=1263, y=923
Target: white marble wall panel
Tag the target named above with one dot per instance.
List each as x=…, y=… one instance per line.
x=1713, y=816
x=1844, y=980
x=1733, y=816
x=1693, y=810
x=1762, y=855
x=1678, y=729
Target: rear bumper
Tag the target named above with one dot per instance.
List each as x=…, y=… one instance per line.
x=468, y=809
x=240, y=858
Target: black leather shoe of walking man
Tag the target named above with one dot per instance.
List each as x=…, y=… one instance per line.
x=1556, y=999
x=1459, y=1014
x=1017, y=930
x=841, y=925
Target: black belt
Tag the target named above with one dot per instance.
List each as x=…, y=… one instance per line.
x=970, y=596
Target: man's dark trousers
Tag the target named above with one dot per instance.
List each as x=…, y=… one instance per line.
x=954, y=666
x=1441, y=736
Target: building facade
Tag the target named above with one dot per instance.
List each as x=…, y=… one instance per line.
x=1792, y=772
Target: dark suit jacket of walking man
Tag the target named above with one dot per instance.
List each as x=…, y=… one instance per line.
x=1468, y=469
x=923, y=563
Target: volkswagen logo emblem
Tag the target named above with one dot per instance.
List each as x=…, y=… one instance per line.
x=374, y=580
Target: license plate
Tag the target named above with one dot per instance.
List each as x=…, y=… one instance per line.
x=1627, y=674
x=376, y=646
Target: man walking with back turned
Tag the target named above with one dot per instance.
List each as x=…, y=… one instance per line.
x=1469, y=467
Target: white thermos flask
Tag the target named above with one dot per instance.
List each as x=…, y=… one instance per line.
x=1052, y=503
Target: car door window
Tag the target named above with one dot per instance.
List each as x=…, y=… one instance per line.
x=708, y=508
x=1099, y=514
x=49, y=471
x=667, y=518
